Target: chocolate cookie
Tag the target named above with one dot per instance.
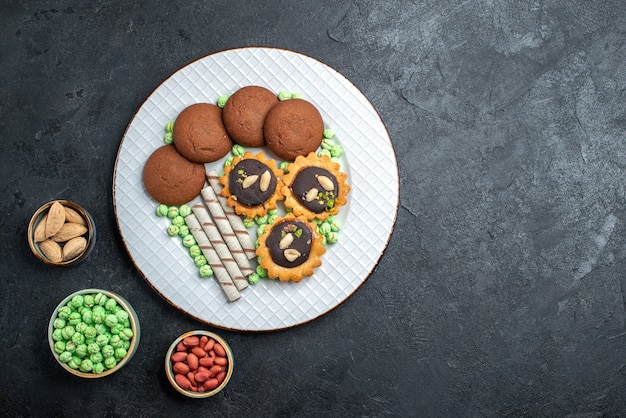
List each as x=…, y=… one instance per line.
x=293, y=127
x=172, y=179
x=199, y=133
x=244, y=114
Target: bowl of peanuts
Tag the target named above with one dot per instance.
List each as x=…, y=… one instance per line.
x=61, y=233
x=93, y=333
x=199, y=364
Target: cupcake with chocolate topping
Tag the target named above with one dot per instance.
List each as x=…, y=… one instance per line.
x=314, y=187
x=252, y=184
x=290, y=248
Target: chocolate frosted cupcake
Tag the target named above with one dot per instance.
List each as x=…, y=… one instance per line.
x=290, y=248
x=293, y=127
x=244, y=114
x=314, y=187
x=252, y=184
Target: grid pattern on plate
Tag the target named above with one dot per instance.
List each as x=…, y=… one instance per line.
x=367, y=220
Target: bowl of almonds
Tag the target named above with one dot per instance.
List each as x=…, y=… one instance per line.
x=61, y=233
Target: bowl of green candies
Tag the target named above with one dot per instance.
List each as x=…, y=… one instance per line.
x=93, y=333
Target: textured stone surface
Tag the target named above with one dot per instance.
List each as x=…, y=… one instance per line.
x=502, y=289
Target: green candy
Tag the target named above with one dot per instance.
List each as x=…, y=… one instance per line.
x=184, y=211
x=168, y=138
x=195, y=251
x=206, y=271
x=183, y=230
x=110, y=362
x=332, y=237
x=107, y=351
x=110, y=304
x=283, y=166
x=200, y=260
x=68, y=332
x=329, y=133
x=59, y=323
x=221, y=102
x=173, y=230
x=93, y=348
x=237, y=150
x=78, y=338
x=74, y=318
x=253, y=278
x=88, y=316
x=77, y=301
x=81, y=327
x=115, y=341
x=102, y=340
x=161, y=210
x=98, y=367
x=261, y=271
x=86, y=365
x=248, y=222
x=74, y=363
x=100, y=299
x=59, y=347
x=57, y=335
x=89, y=301
x=64, y=312
x=284, y=95
x=126, y=334
x=81, y=350
x=122, y=316
x=96, y=358
x=110, y=320
x=172, y=212
x=120, y=353
x=65, y=356
x=70, y=346
x=189, y=241
x=178, y=221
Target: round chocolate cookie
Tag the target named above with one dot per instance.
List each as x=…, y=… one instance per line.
x=199, y=133
x=293, y=127
x=172, y=179
x=244, y=114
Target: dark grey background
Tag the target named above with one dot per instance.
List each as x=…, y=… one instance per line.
x=502, y=290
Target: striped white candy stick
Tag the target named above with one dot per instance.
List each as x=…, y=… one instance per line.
x=226, y=230
x=235, y=220
x=219, y=245
x=222, y=276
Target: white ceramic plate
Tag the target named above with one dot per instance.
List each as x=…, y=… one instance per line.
x=367, y=220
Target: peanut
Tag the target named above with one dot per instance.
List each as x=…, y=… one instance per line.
x=199, y=364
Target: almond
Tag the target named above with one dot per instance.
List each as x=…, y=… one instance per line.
x=39, y=234
x=51, y=250
x=72, y=216
x=249, y=181
x=264, y=183
x=286, y=241
x=311, y=195
x=74, y=248
x=68, y=231
x=326, y=183
x=55, y=219
x=291, y=254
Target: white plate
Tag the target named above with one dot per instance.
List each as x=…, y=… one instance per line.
x=367, y=219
